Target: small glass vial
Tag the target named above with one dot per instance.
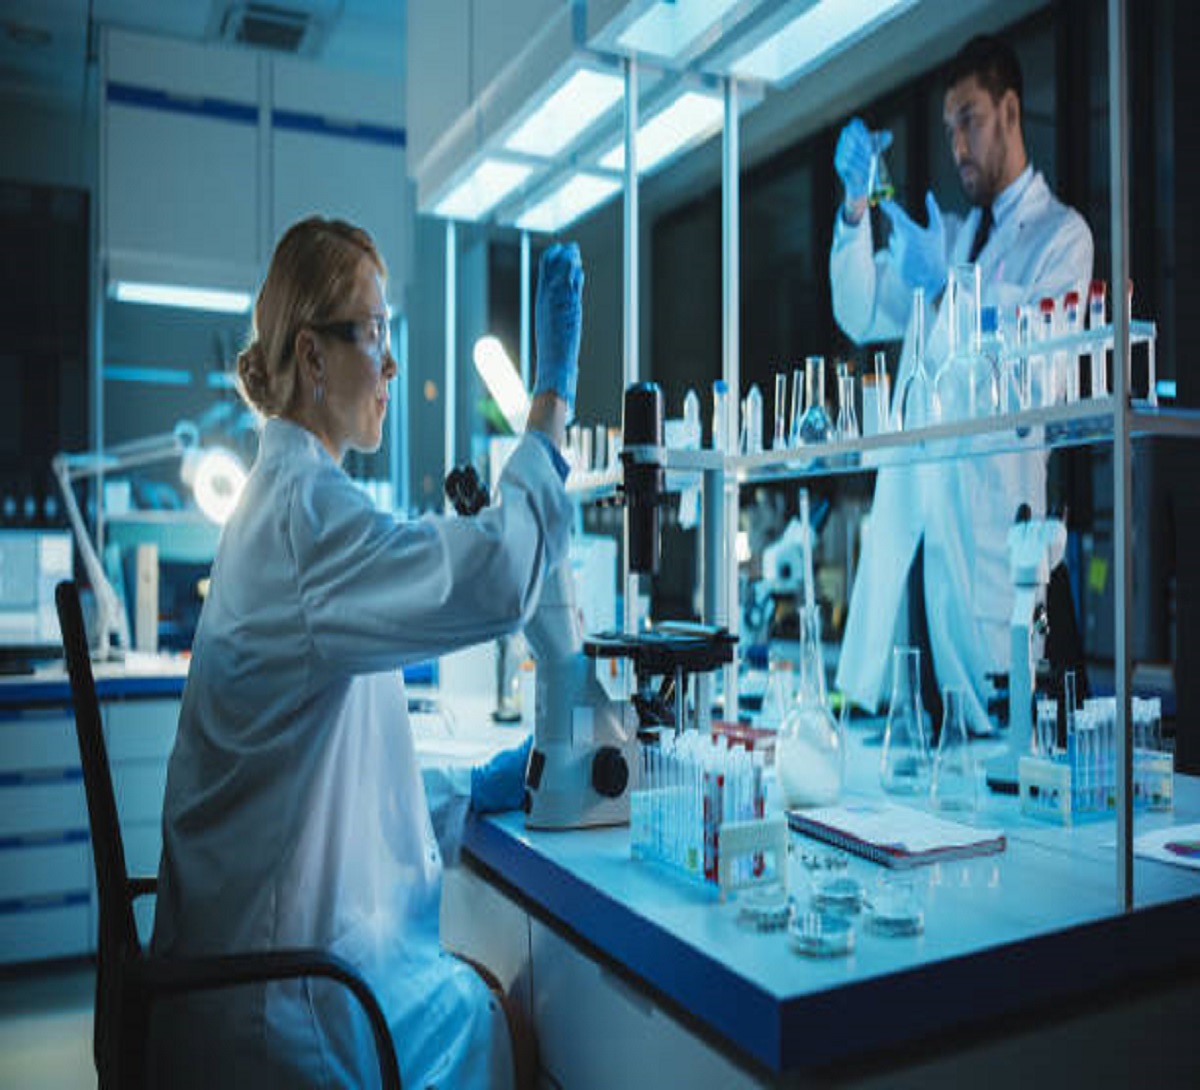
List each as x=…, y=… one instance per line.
x=780, y=439
x=752, y=413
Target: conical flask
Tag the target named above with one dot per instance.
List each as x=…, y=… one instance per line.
x=904, y=766
x=953, y=786
x=809, y=752
x=917, y=404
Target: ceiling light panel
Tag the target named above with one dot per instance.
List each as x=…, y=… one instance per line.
x=667, y=28
x=585, y=97
x=688, y=119
x=577, y=196
x=484, y=188
x=812, y=37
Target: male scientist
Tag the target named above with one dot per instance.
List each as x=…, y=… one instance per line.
x=948, y=521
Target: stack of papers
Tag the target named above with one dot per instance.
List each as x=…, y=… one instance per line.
x=896, y=836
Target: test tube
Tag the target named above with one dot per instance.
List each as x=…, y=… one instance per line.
x=1023, y=362
x=883, y=385
x=1096, y=319
x=1042, y=368
x=720, y=418
x=780, y=440
x=752, y=412
x=1072, y=325
x=1047, y=727
x=847, y=418
x=1069, y=698
x=797, y=407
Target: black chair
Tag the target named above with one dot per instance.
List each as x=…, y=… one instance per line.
x=128, y=978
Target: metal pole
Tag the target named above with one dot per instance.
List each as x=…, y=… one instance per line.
x=525, y=309
x=1118, y=128
x=451, y=346
x=730, y=369
x=631, y=581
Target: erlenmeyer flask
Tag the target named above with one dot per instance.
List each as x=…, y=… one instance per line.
x=879, y=180
x=815, y=425
x=779, y=693
x=904, y=766
x=953, y=381
x=917, y=404
x=808, y=754
x=953, y=786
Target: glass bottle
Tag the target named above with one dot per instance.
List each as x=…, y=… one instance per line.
x=815, y=425
x=847, y=418
x=954, y=381
x=954, y=783
x=809, y=753
x=752, y=413
x=991, y=349
x=904, y=764
x=917, y=405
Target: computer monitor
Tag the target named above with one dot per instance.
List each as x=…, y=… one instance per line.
x=32, y=564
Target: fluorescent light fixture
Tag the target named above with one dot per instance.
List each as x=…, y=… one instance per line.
x=502, y=381
x=668, y=27
x=484, y=188
x=583, y=99
x=217, y=300
x=814, y=36
x=578, y=195
x=690, y=118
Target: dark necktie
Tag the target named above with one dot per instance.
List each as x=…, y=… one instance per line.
x=984, y=229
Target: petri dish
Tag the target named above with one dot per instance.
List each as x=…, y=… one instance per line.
x=820, y=935
x=840, y=894
x=894, y=911
x=764, y=909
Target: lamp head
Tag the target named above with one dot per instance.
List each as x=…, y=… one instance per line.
x=216, y=477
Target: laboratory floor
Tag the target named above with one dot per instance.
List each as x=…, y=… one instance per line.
x=46, y=1026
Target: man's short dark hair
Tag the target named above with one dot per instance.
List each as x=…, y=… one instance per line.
x=992, y=62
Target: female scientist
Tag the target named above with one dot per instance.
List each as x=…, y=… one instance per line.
x=295, y=812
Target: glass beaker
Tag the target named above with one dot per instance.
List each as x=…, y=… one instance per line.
x=953, y=786
x=917, y=405
x=879, y=178
x=904, y=764
x=809, y=757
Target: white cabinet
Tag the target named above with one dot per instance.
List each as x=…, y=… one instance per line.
x=338, y=149
x=180, y=178
x=578, y=1006
x=47, y=878
x=209, y=153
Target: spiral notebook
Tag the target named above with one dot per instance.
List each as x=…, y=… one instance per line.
x=896, y=836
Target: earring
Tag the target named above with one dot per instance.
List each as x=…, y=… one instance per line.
x=319, y=393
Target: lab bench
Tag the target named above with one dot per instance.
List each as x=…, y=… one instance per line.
x=1025, y=966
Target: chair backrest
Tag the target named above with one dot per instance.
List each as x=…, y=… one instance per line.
x=117, y=941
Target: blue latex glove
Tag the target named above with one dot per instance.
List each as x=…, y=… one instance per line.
x=852, y=157
x=558, y=318
x=500, y=784
x=919, y=252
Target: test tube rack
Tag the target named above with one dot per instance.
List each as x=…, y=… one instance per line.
x=1050, y=790
x=723, y=857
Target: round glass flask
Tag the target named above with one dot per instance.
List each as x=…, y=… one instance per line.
x=810, y=751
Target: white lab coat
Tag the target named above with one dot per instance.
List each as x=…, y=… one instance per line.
x=962, y=508
x=295, y=813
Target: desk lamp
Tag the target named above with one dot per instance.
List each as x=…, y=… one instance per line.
x=215, y=475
